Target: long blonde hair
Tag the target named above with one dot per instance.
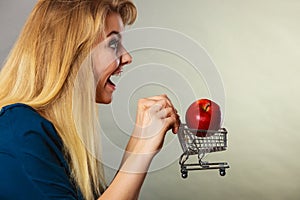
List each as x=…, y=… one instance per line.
x=49, y=70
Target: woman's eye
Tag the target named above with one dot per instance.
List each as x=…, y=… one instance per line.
x=114, y=44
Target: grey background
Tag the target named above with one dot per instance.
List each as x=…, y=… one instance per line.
x=256, y=48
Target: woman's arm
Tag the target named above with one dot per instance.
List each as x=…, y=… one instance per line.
x=126, y=185
x=155, y=116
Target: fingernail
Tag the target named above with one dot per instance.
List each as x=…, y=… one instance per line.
x=176, y=130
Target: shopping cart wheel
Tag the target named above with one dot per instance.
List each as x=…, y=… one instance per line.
x=184, y=175
x=222, y=172
x=184, y=172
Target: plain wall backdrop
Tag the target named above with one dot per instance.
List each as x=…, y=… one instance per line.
x=256, y=48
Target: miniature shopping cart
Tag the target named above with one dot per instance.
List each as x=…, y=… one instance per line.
x=191, y=144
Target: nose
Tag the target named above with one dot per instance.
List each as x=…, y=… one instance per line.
x=125, y=58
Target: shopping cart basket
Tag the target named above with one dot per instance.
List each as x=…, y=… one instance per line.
x=191, y=144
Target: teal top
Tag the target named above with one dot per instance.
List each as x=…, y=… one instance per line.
x=32, y=162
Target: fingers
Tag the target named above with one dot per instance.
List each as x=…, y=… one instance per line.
x=164, y=113
x=154, y=104
x=149, y=102
x=164, y=98
x=174, y=122
x=171, y=117
x=162, y=108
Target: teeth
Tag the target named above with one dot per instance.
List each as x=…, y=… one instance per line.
x=114, y=79
x=110, y=81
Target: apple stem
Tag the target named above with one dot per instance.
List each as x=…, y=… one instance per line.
x=206, y=107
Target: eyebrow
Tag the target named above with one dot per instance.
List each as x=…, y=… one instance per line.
x=114, y=33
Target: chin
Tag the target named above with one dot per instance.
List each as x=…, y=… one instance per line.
x=104, y=100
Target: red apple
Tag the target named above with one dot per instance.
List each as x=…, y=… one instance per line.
x=203, y=115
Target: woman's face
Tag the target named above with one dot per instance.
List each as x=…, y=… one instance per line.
x=109, y=57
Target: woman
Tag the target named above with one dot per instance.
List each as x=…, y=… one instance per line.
x=58, y=70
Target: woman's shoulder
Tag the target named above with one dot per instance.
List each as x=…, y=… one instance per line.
x=20, y=112
x=19, y=121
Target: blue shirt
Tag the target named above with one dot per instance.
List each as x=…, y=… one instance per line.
x=32, y=162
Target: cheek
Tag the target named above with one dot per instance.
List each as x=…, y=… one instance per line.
x=103, y=62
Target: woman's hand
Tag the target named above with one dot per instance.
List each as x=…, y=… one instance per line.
x=155, y=116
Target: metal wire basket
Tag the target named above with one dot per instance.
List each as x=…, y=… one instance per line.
x=191, y=144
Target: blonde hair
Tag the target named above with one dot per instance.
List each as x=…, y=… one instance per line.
x=49, y=69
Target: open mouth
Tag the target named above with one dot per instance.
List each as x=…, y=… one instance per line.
x=116, y=73
x=110, y=82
